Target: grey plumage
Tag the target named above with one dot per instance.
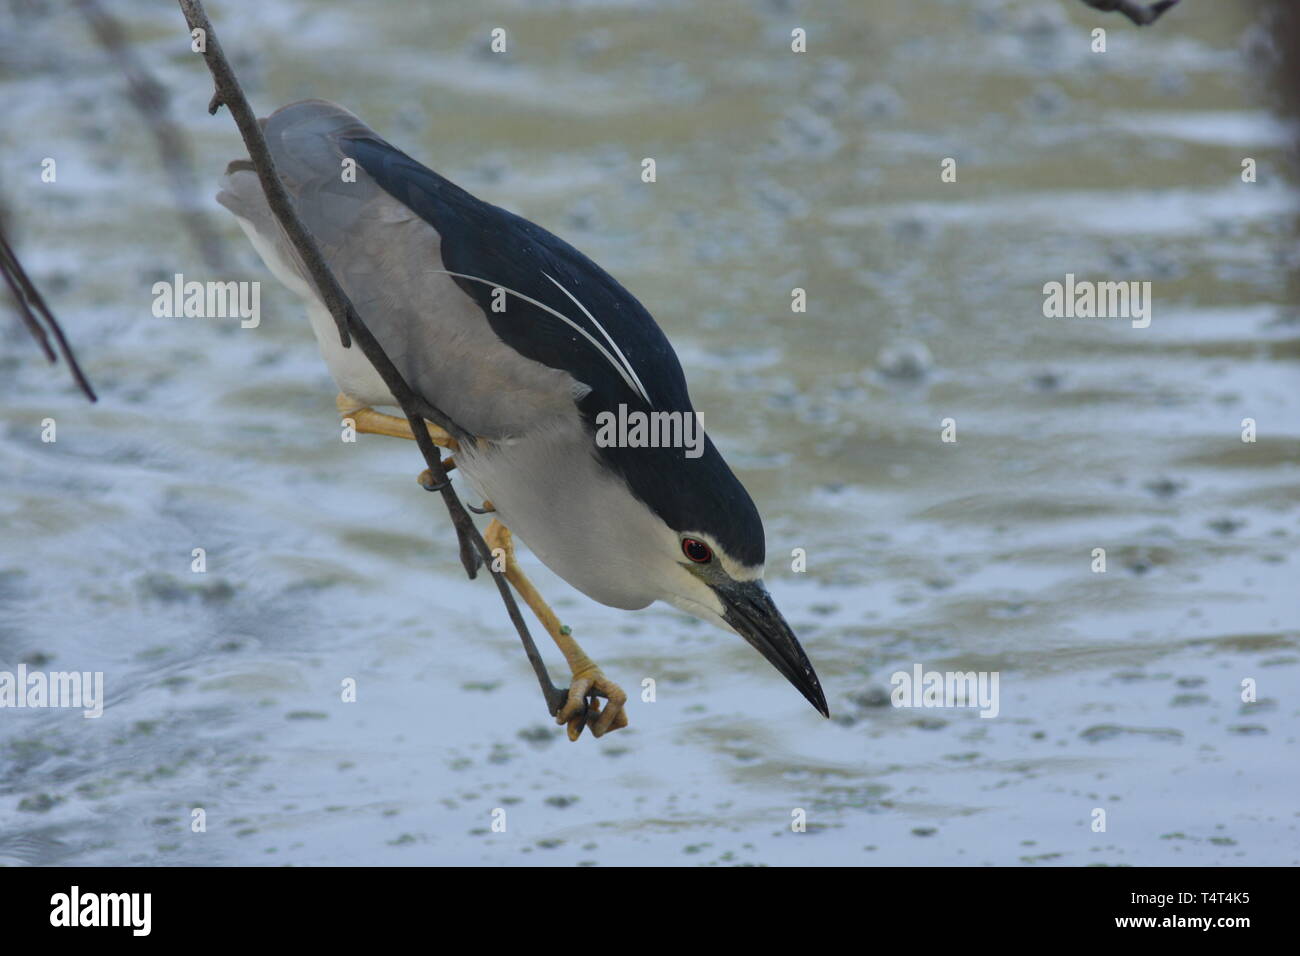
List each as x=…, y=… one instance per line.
x=420, y=259
x=385, y=258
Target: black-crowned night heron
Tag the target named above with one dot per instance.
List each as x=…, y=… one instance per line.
x=524, y=342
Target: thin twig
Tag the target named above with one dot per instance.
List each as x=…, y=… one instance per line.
x=350, y=326
x=32, y=308
x=10, y=266
x=1140, y=13
x=151, y=101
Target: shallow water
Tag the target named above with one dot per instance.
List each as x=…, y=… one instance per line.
x=1119, y=691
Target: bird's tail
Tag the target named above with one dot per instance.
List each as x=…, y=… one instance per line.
x=303, y=139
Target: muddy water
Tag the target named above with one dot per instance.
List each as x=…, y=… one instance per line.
x=1119, y=691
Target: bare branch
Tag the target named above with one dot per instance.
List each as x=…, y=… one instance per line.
x=1140, y=13
x=350, y=326
x=32, y=308
x=150, y=100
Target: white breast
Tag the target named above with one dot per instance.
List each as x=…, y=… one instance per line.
x=550, y=490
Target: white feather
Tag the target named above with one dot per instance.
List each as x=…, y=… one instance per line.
x=626, y=373
x=612, y=343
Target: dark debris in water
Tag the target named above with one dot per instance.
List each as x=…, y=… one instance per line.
x=904, y=361
x=929, y=723
x=1164, y=487
x=1100, y=732
x=1226, y=525
x=871, y=698
x=539, y=735
x=1045, y=381
x=171, y=590
x=40, y=803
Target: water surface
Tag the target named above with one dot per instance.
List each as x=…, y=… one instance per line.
x=325, y=561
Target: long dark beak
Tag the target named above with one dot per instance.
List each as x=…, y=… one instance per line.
x=750, y=610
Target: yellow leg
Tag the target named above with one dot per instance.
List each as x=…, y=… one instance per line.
x=370, y=422
x=587, y=680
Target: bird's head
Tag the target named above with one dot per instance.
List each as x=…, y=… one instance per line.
x=706, y=554
x=716, y=587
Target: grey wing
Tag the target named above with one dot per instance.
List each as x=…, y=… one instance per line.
x=388, y=259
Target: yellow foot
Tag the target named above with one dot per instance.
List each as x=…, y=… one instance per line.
x=370, y=422
x=425, y=478
x=583, y=706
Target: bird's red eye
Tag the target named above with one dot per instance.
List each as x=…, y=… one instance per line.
x=697, y=550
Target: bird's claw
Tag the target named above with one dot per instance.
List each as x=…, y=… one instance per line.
x=582, y=708
x=425, y=478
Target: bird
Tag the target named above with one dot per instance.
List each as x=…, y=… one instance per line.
x=528, y=347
